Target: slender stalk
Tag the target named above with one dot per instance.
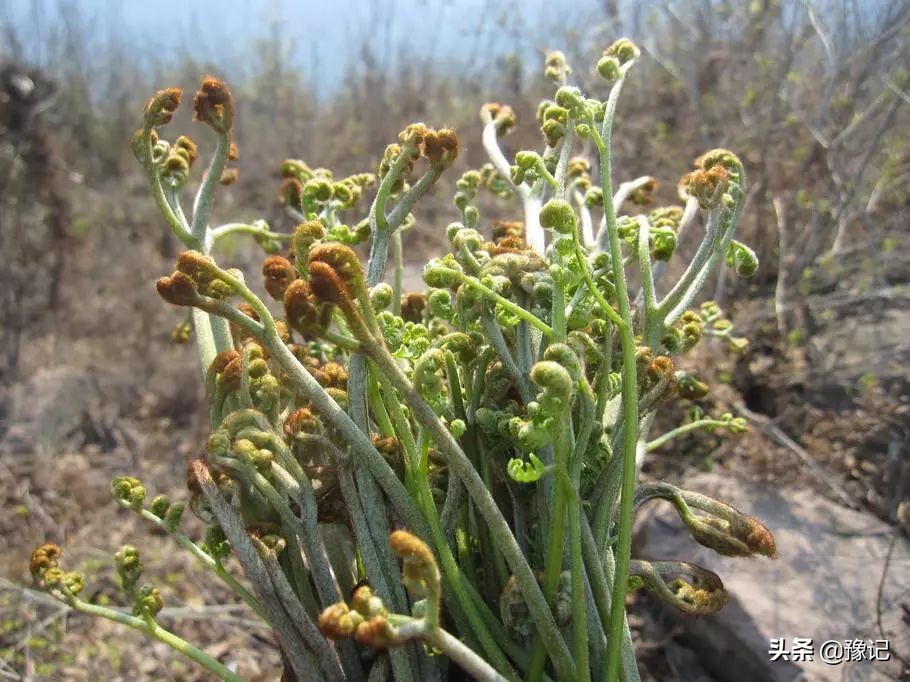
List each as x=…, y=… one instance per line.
x=297, y=646
x=151, y=628
x=367, y=545
x=460, y=465
x=474, y=665
x=647, y=277
x=454, y=579
x=202, y=205
x=398, y=272
x=577, y=571
x=209, y=562
x=662, y=440
x=556, y=535
x=491, y=295
x=258, y=228
x=469, y=661
x=629, y=393
x=178, y=226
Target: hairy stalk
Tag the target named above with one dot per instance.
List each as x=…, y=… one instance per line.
x=629, y=396
x=486, y=505
x=556, y=534
x=209, y=562
x=149, y=627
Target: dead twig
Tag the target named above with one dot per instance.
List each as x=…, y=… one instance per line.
x=771, y=429
x=783, y=269
x=881, y=590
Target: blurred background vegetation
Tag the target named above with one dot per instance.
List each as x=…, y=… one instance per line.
x=814, y=95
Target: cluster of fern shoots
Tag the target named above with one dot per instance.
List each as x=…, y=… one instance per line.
x=455, y=471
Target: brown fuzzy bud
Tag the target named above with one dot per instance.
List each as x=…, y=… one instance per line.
x=284, y=333
x=47, y=556
x=500, y=115
x=757, y=537
x=377, y=633
x=301, y=307
x=420, y=571
x=213, y=104
x=643, y=195
x=205, y=273
x=508, y=228
x=160, y=108
x=661, y=367
x=708, y=186
x=305, y=235
x=507, y=245
x=176, y=163
x=178, y=289
x=278, y=273
x=723, y=528
x=301, y=420
x=248, y=310
x=197, y=265
x=290, y=193
x=338, y=621
x=412, y=307
x=228, y=176
x=578, y=167
x=188, y=148
x=222, y=360
x=389, y=447
x=344, y=264
x=334, y=375
x=411, y=548
x=441, y=146
x=233, y=152
x=233, y=371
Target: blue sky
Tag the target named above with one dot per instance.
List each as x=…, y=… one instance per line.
x=322, y=35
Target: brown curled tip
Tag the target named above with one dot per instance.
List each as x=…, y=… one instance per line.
x=501, y=115
x=45, y=557
x=340, y=258
x=377, y=632
x=212, y=103
x=759, y=539
x=337, y=621
x=441, y=146
x=222, y=359
x=187, y=148
x=178, y=289
x=290, y=193
x=161, y=106
x=408, y=546
x=301, y=307
x=327, y=286
x=278, y=272
x=707, y=185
